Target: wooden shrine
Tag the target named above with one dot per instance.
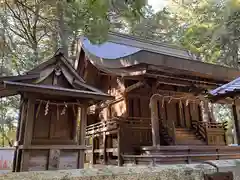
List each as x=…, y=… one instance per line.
x=230, y=91
x=53, y=115
x=160, y=113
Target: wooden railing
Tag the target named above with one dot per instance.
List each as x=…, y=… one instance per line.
x=211, y=132
x=137, y=123
x=103, y=126
x=182, y=154
x=200, y=129
x=169, y=128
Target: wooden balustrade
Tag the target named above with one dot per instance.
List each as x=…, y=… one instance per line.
x=211, y=132
x=103, y=126
x=182, y=154
x=112, y=124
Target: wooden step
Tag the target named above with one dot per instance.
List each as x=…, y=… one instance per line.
x=186, y=136
x=190, y=143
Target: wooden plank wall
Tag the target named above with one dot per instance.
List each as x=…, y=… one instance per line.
x=53, y=125
x=138, y=107
x=115, y=87
x=52, y=130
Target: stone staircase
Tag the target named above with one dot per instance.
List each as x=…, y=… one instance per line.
x=186, y=136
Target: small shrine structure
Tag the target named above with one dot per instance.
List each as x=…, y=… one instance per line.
x=231, y=92
x=53, y=115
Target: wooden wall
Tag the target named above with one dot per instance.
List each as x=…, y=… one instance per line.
x=49, y=138
x=117, y=107
x=54, y=127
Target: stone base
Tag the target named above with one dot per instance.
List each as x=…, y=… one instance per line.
x=162, y=172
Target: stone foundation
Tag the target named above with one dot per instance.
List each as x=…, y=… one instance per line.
x=164, y=172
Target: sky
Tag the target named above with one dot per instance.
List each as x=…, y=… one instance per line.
x=157, y=4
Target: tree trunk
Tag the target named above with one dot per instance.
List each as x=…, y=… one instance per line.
x=62, y=28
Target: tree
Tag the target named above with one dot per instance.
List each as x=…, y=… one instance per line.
x=31, y=30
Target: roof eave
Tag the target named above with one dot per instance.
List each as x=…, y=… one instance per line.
x=23, y=87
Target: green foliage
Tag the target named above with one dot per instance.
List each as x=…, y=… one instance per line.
x=208, y=28
x=30, y=31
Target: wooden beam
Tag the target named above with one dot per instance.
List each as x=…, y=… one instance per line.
x=205, y=111
x=28, y=132
x=180, y=79
x=236, y=115
x=154, y=121
x=56, y=147
x=119, y=136
x=82, y=134
x=93, y=158
x=15, y=158
x=134, y=86
x=21, y=134
x=105, y=148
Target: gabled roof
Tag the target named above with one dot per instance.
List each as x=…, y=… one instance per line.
x=48, y=77
x=58, y=56
x=226, y=89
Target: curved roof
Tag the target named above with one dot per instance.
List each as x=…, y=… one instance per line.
x=121, y=45
x=124, y=51
x=109, y=50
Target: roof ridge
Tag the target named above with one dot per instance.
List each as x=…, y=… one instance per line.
x=149, y=45
x=144, y=40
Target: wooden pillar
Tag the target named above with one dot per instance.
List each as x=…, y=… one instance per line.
x=154, y=121
x=83, y=123
x=109, y=145
x=93, y=156
x=236, y=115
x=211, y=115
x=21, y=107
x=21, y=136
x=119, y=135
x=104, y=148
x=205, y=111
x=181, y=114
x=234, y=135
x=28, y=131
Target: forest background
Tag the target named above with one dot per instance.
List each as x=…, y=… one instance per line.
x=31, y=30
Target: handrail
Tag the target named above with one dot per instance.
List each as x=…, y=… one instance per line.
x=169, y=127
x=204, y=128
x=201, y=129
x=133, y=122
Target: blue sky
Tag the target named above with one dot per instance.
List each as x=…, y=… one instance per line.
x=157, y=4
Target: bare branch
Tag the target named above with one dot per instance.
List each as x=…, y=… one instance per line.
x=20, y=21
